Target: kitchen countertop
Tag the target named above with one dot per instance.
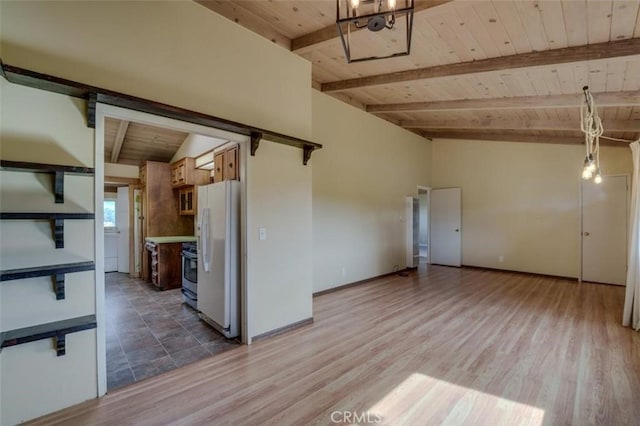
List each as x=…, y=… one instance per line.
x=174, y=239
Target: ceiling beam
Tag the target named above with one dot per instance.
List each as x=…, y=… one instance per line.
x=502, y=137
x=249, y=20
x=501, y=124
x=307, y=42
x=117, y=144
x=603, y=99
x=613, y=49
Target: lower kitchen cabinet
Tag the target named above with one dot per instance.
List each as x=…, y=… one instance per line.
x=164, y=264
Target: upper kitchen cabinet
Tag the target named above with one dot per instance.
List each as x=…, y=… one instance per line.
x=184, y=173
x=226, y=164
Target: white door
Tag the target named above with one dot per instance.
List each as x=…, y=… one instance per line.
x=604, y=231
x=446, y=241
x=122, y=223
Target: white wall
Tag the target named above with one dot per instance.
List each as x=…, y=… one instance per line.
x=520, y=201
x=39, y=126
x=360, y=179
x=175, y=52
x=279, y=268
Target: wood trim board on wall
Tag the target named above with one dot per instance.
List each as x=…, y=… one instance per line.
x=95, y=95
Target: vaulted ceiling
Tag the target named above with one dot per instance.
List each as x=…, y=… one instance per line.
x=128, y=142
x=478, y=69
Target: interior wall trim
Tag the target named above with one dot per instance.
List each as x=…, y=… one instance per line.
x=282, y=330
x=402, y=273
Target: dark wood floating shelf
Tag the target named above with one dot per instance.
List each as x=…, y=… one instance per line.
x=57, y=330
x=95, y=95
x=57, y=220
x=54, y=170
x=56, y=271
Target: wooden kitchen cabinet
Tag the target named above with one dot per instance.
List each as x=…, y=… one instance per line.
x=231, y=163
x=159, y=208
x=226, y=164
x=164, y=265
x=188, y=201
x=184, y=173
x=218, y=169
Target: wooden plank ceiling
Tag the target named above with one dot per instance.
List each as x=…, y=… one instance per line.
x=478, y=69
x=132, y=143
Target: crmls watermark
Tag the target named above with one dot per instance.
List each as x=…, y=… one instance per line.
x=362, y=417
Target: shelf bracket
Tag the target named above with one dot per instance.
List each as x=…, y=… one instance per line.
x=61, y=347
x=255, y=142
x=91, y=110
x=307, y=151
x=58, y=187
x=58, y=286
x=58, y=232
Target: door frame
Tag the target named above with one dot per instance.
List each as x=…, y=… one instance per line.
x=426, y=189
x=581, y=221
x=103, y=111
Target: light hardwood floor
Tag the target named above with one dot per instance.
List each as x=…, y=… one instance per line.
x=447, y=346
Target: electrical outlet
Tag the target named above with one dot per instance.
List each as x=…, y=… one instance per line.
x=262, y=233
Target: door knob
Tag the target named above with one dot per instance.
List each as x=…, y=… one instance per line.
x=586, y=234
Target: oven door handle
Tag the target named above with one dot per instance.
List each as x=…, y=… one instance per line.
x=189, y=255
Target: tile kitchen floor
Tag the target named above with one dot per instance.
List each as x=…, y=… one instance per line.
x=151, y=331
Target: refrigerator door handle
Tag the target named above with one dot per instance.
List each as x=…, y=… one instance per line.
x=204, y=236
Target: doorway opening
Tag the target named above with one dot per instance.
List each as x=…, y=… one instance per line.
x=148, y=317
x=423, y=225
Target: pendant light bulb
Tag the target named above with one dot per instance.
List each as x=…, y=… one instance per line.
x=391, y=4
x=586, y=173
x=355, y=4
x=598, y=178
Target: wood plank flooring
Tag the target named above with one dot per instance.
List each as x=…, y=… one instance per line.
x=443, y=346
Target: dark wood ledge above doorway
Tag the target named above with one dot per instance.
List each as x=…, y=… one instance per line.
x=94, y=95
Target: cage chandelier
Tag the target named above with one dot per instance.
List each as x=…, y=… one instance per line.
x=374, y=15
x=591, y=126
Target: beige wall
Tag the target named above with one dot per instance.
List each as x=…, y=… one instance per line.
x=121, y=170
x=39, y=126
x=520, y=201
x=175, y=52
x=279, y=268
x=360, y=180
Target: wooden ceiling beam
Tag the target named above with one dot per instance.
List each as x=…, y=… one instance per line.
x=500, y=124
x=236, y=13
x=608, y=50
x=307, y=42
x=119, y=140
x=603, y=99
x=502, y=137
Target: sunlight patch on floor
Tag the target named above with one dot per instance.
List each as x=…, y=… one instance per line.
x=427, y=400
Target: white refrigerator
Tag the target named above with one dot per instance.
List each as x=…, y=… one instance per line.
x=218, y=256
